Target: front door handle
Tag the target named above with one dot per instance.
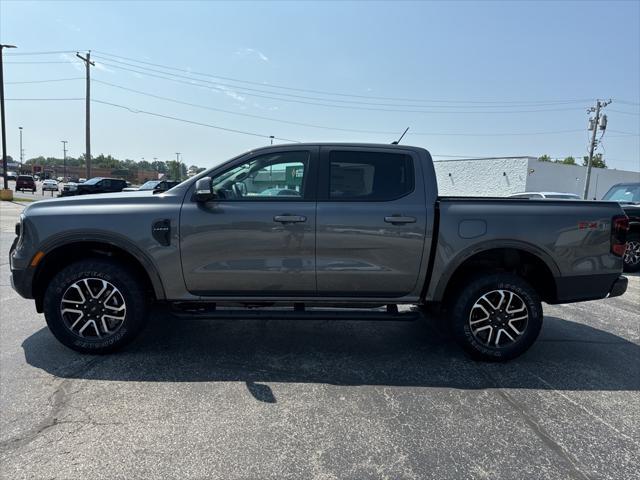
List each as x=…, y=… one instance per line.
x=399, y=219
x=284, y=218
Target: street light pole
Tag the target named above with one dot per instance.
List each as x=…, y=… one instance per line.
x=21, y=151
x=64, y=160
x=179, y=169
x=4, y=132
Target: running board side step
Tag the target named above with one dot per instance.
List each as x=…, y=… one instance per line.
x=297, y=314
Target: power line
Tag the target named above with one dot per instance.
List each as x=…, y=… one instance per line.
x=247, y=91
x=324, y=127
x=302, y=124
x=43, y=99
x=212, y=85
x=626, y=102
x=624, y=133
x=134, y=110
x=17, y=54
x=323, y=92
x=626, y=113
x=46, y=81
x=33, y=63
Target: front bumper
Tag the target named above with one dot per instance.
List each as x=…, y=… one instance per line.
x=21, y=281
x=21, y=278
x=618, y=287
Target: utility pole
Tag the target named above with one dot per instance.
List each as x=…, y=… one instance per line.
x=594, y=123
x=21, y=150
x=87, y=63
x=4, y=133
x=64, y=160
x=271, y=137
x=179, y=169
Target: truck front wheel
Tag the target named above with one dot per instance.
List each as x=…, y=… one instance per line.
x=496, y=317
x=95, y=306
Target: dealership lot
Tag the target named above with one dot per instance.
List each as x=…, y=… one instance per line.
x=319, y=399
x=37, y=195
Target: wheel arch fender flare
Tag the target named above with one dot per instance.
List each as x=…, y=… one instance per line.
x=456, y=262
x=115, y=240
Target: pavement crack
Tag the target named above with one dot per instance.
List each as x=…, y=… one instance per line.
x=58, y=400
x=573, y=465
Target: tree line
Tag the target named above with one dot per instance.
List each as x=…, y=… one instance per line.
x=596, y=162
x=172, y=168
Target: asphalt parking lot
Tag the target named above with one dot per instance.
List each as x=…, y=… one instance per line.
x=319, y=399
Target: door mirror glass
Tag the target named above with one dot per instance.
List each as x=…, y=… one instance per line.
x=204, y=191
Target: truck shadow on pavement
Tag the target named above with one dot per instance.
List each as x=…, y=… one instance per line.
x=567, y=356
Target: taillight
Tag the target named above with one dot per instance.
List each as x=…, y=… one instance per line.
x=619, y=229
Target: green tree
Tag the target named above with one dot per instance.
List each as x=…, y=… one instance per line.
x=176, y=170
x=544, y=158
x=159, y=166
x=569, y=161
x=194, y=170
x=597, y=162
x=144, y=165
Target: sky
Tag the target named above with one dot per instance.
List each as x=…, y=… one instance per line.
x=470, y=79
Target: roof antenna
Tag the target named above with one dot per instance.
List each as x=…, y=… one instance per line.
x=398, y=140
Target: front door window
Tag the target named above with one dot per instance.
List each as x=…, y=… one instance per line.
x=278, y=176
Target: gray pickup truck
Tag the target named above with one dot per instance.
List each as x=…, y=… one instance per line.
x=287, y=231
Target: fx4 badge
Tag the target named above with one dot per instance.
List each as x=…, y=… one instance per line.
x=593, y=226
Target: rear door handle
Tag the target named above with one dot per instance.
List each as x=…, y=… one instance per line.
x=399, y=219
x=290, y=218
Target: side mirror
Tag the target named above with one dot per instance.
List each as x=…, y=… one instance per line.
x=203, y=192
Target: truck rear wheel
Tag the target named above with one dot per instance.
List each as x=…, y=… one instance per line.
x=95, y=306
x=496, y=317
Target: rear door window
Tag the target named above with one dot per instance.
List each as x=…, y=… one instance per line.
x=369, y=176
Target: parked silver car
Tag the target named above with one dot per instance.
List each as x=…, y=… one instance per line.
x=550, y=195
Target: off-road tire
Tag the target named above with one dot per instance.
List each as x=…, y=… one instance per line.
x=471, y=293
x=118, y=275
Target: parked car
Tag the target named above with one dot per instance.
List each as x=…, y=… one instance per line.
x=368, y=229
x=550, y=195
x=155, y=185
x=12, y=175
x=94, y=185
x=69, y=188
x=49, y=185
x=628, y=194
x=25, y=182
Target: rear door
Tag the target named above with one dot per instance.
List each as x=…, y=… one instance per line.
x=371, y=218
x=257, y=237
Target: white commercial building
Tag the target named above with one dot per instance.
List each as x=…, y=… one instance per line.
x=502, y=176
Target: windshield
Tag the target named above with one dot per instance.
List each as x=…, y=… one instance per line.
x=92, y=181
x=150, y=185
x=624, y=193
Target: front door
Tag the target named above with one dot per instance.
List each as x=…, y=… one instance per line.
x=371, y=220
x=257, y=236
